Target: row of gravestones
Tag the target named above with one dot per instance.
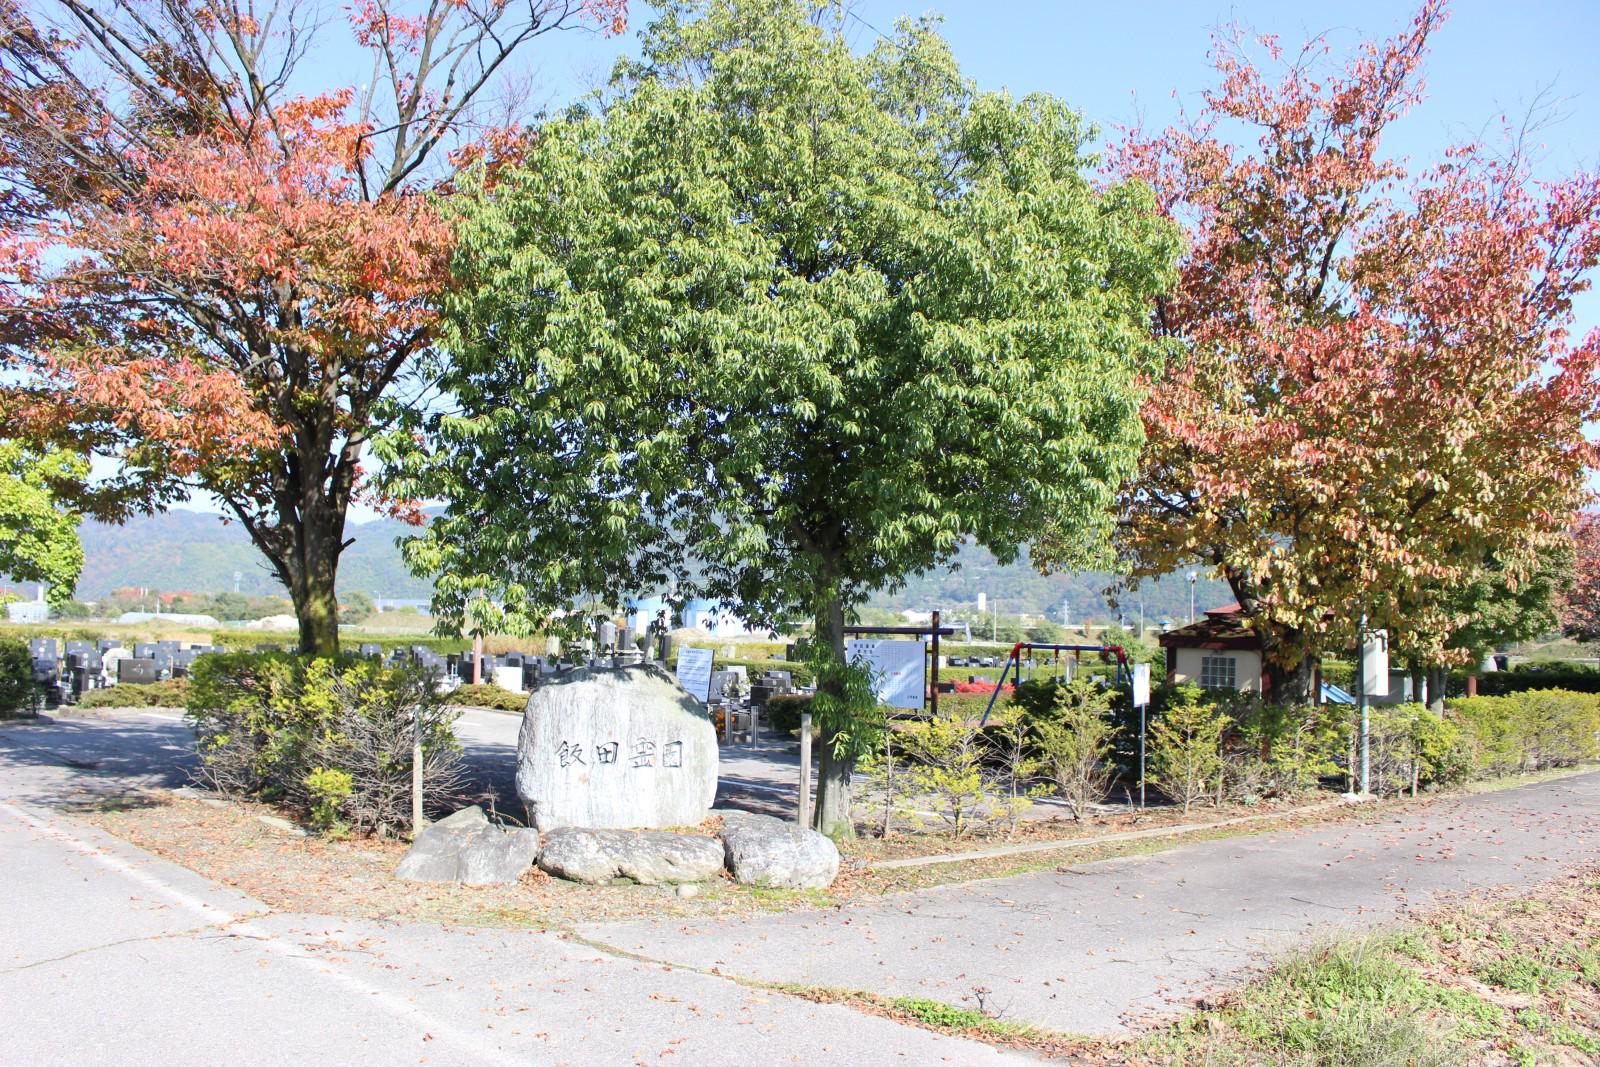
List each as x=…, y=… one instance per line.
x=516, y=672
x=65, y=673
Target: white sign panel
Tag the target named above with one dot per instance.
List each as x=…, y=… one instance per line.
x=694, y=671
x=1375, y=657
x=1141, y=684
x=896, y=668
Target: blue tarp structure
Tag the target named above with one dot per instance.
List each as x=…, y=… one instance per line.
x=1332, y=694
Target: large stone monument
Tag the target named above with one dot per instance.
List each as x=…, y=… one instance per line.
x=616, y=747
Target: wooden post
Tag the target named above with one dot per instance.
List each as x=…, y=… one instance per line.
x=935, y=688
x=803, y=815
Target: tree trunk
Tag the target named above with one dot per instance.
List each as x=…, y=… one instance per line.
x=833, y=815
x=301, y=532
x=1418, y=681
x=1437, y=677
x=1288, y=685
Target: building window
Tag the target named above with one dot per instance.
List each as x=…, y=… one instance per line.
x=1219, y=672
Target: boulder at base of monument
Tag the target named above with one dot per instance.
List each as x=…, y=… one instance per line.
x=616, y=748
x=468, y=848
x=649, y=857
x=765, y=851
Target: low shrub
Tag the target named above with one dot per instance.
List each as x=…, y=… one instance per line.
x=17, y=693
x=173, y=693
x=1076, y=740
x=487, y=696
x=1413, y=748
x=330, y=739
x=1274, y=750
x=948, y=766
x=1186, y=749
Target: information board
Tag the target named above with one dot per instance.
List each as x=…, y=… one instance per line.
x=1375, y=678
x=694, y=671
x=897, y=670
x=1141, y=684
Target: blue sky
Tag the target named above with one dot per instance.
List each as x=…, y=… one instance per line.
x=1139, y=60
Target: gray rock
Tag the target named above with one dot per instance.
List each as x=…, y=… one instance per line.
x=466, y=847
x=281, y=825
x=649, y=857
x=616, y=748
x=765, y=851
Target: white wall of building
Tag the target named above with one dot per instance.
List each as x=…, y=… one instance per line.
x=1246, y=666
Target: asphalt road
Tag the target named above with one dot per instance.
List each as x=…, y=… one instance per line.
x=109, y=955
x=1091, y=948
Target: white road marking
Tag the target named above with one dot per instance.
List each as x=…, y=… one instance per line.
x=397, y=1006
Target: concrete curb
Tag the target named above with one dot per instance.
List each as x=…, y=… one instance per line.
x=1088, y=842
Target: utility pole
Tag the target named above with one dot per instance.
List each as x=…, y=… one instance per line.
x=1193, y=577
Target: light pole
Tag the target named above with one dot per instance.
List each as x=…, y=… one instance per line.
x=1141, y=620
x=1194, y=576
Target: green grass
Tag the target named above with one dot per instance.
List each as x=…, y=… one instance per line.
x=1480, y=983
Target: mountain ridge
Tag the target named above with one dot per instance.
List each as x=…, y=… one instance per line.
x=194, y=551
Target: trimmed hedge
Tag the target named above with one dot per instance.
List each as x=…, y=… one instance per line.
x=487, y=696
x=1571, y=677
x=1528, y=731
x=173, y=693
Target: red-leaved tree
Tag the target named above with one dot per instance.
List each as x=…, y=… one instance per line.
x=224, y=283
x=1580, y=602
x=1373, y=391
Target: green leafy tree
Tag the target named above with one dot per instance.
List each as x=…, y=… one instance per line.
x=781, y=324
x=38, y=533
x=1502, y=603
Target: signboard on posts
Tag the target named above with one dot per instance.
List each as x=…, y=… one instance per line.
x=1375, y=661
x=1141, y=684
x=694, y=671
x=896, y=668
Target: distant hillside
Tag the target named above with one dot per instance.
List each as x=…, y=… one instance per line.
x=197, y=552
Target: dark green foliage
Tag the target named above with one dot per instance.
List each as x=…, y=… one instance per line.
x=783, y=712
x=17, y=695
x=1573, y=677
x=272, y=724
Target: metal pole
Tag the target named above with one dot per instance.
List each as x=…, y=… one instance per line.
x=1142, y=712
x=1361, y=703
x=477, y=659
x=803, y=812
x=934, y=690
x=417, y=822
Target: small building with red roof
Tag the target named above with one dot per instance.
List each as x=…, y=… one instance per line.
x=1219, y=651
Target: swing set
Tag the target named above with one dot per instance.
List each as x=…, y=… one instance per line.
x=1106, y=653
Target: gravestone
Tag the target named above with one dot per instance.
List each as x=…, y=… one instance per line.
x=616, y=748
